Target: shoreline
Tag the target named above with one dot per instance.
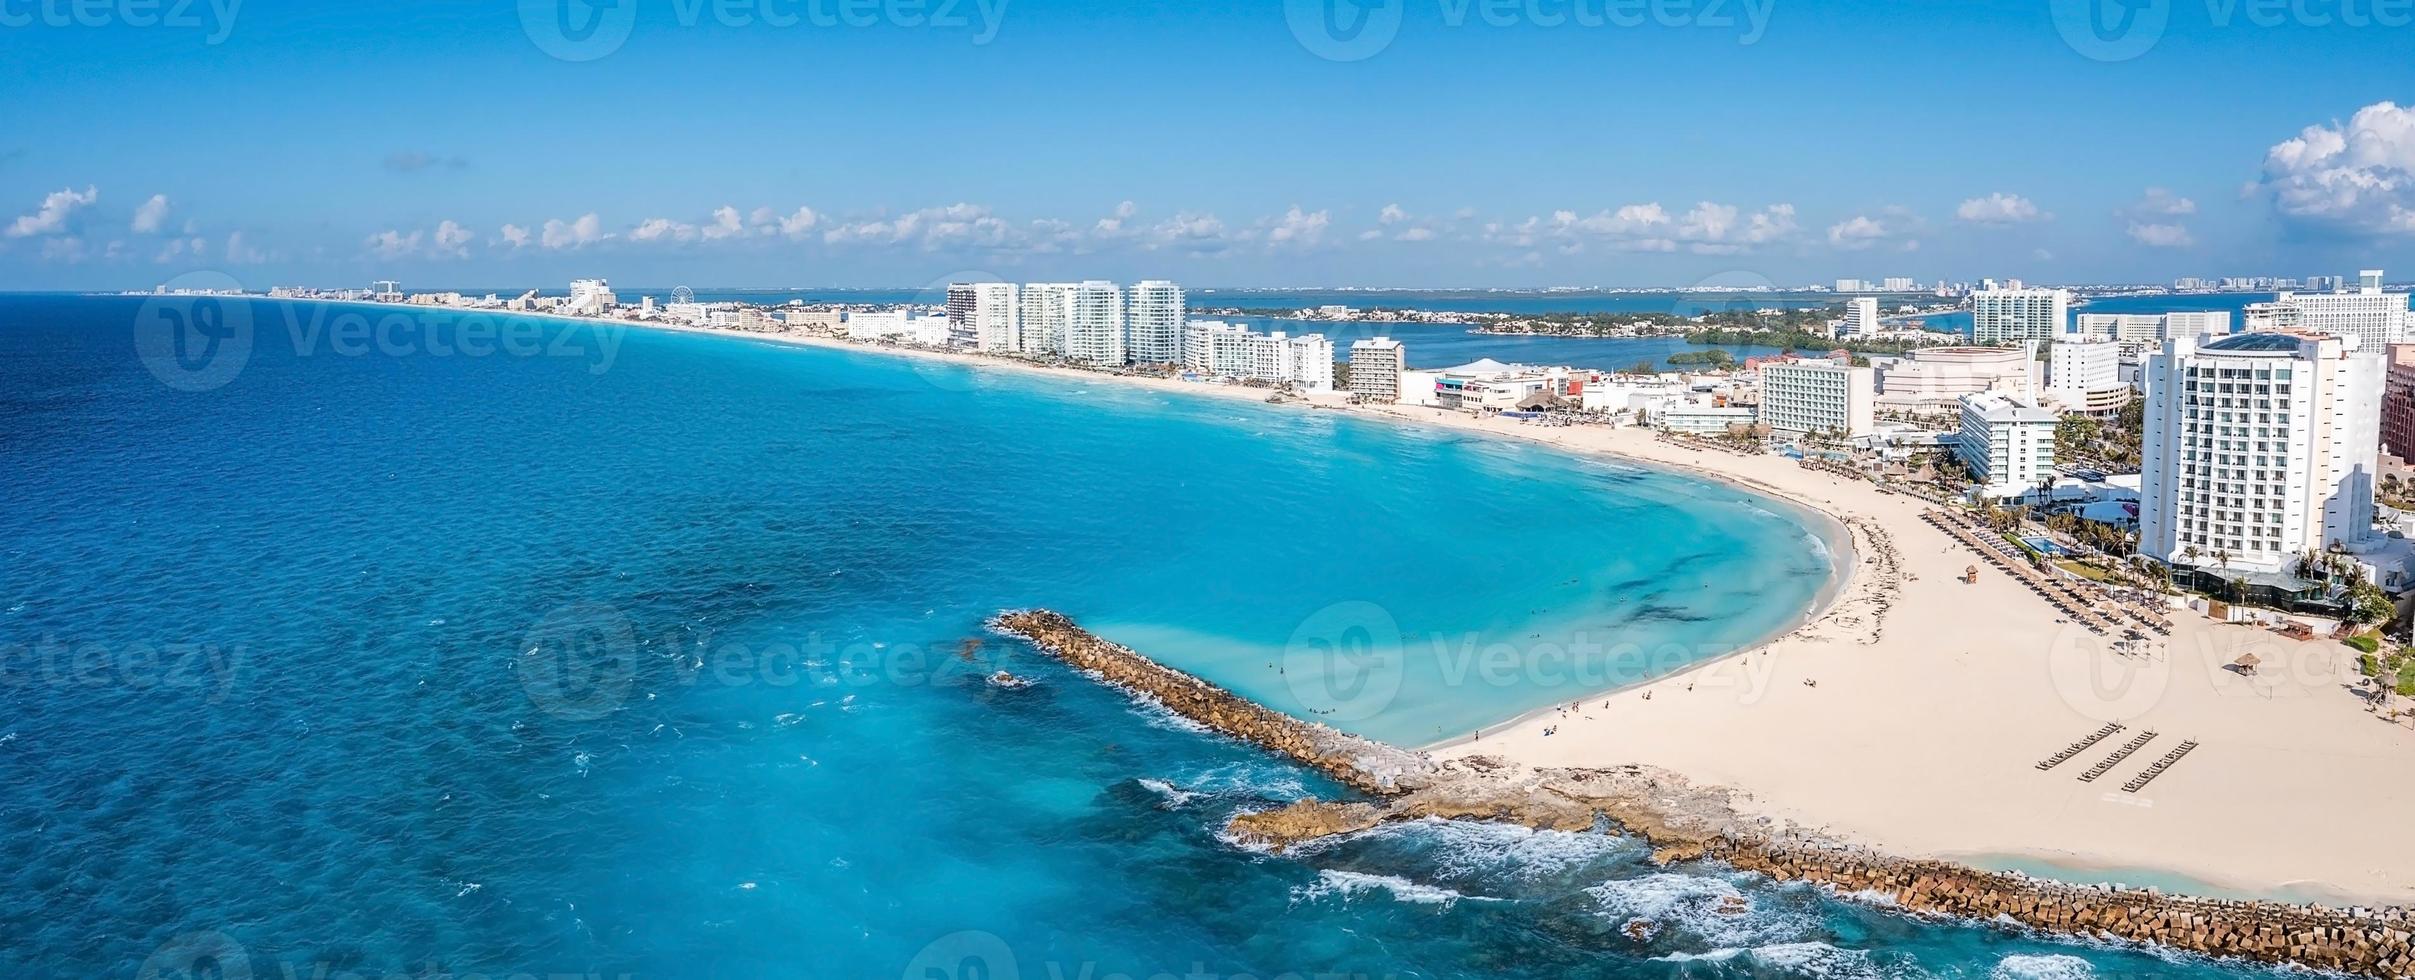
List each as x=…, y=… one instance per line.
x=1903, y=712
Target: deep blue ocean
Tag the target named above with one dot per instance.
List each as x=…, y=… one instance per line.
x=362, y=647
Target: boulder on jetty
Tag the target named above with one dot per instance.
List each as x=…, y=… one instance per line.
x=1684, y=822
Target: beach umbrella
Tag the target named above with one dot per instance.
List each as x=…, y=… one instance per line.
x=2247, y=661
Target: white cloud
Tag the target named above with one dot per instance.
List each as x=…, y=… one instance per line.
x=179, y=247
x=1297, y=227
x=1709, y=228
x=1392, y=215
x=1857, y=233
x=659, y=230
x=151, y=215
x=391, y=244
x=725, y=224
x=237, y=252
x=2356, y=178
x=451, y=241
x=2000, y=209
x=1113, y=224
x=2160, y=235
x=581, y=232
x=514, y=235
x=2162, y=202
x=65, y=248
x=51, y=217
x=1416, y=235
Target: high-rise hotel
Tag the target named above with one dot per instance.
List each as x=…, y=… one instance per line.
x=2259, y=448
x=2375, y=318
x=2001, y=316
x=1094, y=322
x=1153, y=316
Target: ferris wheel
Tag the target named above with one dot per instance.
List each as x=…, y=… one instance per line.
x=682, y=294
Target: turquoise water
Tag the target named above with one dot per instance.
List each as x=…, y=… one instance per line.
x=658, y=655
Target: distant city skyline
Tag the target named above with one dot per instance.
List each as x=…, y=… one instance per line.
x=1224, y=144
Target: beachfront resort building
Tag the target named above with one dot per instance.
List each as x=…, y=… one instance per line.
x=991, y=315
x=1375, y=367
x=2001, y=316
x=2398, y=402
x=1826, y=396
x=2259, y=447
x=1094, y=324
x=1861, y=317
x=2375, y=318
x=1933, y=379
x=2085, y=376
x=589, y=297
x=1046, y=311
x=1154, y=322
x=2007, y=443
x=2139, y=331
x=1214, y=348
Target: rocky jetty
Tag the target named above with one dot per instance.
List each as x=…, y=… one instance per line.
x=1684, y=822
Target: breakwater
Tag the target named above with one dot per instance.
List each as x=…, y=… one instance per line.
x=1686, y=822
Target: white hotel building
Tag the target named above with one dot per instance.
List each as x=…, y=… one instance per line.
x=1375, y=368
x=1861, y=318
x=1816, y=396
x=2375, y=318
x=2142, y=330
x=2260, y=446
x=2011, y=315
x=2008, y=444
x=2085, y=376
x=1045, y=316
x=995, y=316
x=1094, y=325
x=1228, y=350
x=1154, y=322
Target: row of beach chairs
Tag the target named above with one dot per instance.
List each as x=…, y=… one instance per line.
x=2078, y=747
x=2116, y=758
x=2080, y=605
x=2148, y=774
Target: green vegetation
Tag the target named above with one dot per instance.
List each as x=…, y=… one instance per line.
x=2406, y=683
x=2368, y=665
x=2365, y=642
x=1714, y=358
x=2114, y=444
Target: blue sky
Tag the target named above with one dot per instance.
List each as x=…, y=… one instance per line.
x=1501, y=143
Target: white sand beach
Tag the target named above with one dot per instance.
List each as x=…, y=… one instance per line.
x=1934, y=700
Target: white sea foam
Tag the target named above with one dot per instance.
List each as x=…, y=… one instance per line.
x=2042, y=967
x=1252, y=779
x=1705, y=906
x=1350, y=885
x=1175, y=799
x=1465, y=849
